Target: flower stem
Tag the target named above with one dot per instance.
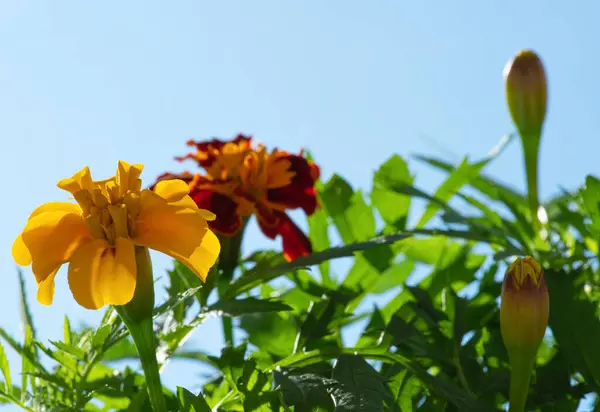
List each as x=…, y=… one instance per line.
x=531, y=150
x=520, y=376
x=143, y=337
x=137, y=317
x=228, y=262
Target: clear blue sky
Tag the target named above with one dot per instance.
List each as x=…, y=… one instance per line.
x=89, y=83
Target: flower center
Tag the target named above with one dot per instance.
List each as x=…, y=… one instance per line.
x=110, y=208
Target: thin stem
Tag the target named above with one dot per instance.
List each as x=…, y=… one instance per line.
x=143, y=337
x=520, y=376
x=228, y=262
x=531, y=150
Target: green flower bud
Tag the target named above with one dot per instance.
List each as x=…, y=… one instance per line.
x=523, y=319
x=526, y=93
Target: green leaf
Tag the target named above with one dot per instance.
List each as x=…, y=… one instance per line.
x=590, y=197
x=485, y=185
x=26, y=365
x=274, y=333
x=26, y=318
x=348, y=210
x=240, y=307
x=361, y=387
x=575, y=323
x=71, y=350
x=190, y=402
x=393, y=207
x=462, y=175
x=264, y=273
x=4, y=367
x=100, y=336
x=67, y=334
x=306, y=392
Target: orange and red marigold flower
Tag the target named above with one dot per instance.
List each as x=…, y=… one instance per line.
x=241, y=180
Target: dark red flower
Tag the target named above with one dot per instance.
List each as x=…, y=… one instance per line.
x=241, y=180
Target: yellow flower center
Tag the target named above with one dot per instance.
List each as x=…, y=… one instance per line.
x=523, y=269
x=109, y=206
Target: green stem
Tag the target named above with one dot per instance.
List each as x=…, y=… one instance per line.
x=520, y=376
x=531, y=150
x=228, y=262
x=137, y=317
x=142, y=333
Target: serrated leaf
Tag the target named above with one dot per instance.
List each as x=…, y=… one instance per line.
x=306, y=392
x=361, y=387
x=459, y=177
x=256, y=276
x=70, y=349
x=100, y=336
x=67, y=334
x=393, y=207
x=190, y=402
x=575, y=323
x=240, y=307
x=4, y=367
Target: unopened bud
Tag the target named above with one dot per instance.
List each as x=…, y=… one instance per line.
x=523, y=319
x=526, y=93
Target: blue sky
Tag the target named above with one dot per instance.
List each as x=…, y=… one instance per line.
x=84, y=83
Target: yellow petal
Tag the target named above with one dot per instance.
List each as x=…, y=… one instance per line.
x=20, y=252
x=83, y=271
x=56, y=207
x=81, y=180
x=172, y=190
x=50, y=238
x=127, y=177
x=179, y=232
x=100, y=274
x=117, y=276
x=45, y=293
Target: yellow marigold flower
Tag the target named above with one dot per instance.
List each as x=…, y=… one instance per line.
x=98, y=235
x=523, y=319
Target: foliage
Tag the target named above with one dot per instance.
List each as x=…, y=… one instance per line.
x=423, y=297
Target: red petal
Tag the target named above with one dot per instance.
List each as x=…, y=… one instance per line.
x=228, y=222
x=301, y=190
x=295, y=242
x=208, y=146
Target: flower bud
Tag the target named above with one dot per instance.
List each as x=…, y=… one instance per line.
x=526, y=93
x=523, y=319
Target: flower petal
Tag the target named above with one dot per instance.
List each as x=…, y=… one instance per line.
x=179, y=232
x=100, y=274
x=50, y=238
x=45, y=292
x=295, y=242
x=81, y=180
x=172, y=190
x=118, y=273
x=227, y=220
x=301, y=191
x=83, y=272
x=20, y=252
